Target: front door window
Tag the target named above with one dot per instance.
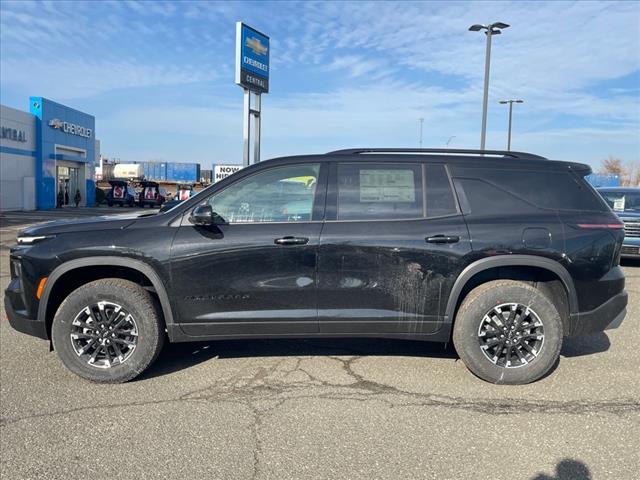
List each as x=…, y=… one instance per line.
x=283, y=194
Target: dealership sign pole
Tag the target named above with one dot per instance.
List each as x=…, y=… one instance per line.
x=252, y=74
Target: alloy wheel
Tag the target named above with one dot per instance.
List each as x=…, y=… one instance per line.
x=511, y=335
x=104, y=334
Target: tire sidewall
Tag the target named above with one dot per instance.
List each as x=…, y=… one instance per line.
x=143, y=313
x=468, y=322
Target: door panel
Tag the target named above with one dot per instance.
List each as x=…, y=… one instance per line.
x=384, y=266
x=383, y=277
x=255, y=272
x=234, y=279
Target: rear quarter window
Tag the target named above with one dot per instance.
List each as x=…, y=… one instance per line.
x=550, y=190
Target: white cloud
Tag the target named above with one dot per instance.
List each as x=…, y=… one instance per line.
x=387, y=64
x=67, y=79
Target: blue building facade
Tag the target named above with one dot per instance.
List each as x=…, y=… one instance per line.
x=65, y=153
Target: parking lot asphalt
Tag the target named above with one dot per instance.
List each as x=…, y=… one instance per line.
x=319, y=409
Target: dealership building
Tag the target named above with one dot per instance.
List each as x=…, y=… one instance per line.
x=46, y=155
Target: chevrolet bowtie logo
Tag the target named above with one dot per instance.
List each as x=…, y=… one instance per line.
x=256, y=45
x=55, y=123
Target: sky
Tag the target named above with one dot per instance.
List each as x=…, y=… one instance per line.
x=159, y=76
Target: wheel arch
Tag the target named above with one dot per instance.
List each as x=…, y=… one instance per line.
x=505, y=261
x=45, y=313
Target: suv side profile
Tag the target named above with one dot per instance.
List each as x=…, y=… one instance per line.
x=503, y=253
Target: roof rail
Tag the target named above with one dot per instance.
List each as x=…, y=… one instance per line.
x=453, y=151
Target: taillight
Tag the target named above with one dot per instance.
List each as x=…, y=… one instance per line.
x=609, y=226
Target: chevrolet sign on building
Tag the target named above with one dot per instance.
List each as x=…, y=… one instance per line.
x=71, y=128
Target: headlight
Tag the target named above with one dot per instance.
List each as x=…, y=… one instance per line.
x=30, y=240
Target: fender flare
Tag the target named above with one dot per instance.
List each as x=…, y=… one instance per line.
x=128, y=262
x=511, y=261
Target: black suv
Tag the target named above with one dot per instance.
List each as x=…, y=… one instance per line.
x=503, y=253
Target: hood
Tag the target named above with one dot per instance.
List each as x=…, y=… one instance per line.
x=111, y=222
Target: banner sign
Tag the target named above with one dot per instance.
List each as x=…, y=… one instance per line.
x=223, y=171
x=252, y=59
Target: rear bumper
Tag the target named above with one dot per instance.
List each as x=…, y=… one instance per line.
x=607, y=316
x=20, y=321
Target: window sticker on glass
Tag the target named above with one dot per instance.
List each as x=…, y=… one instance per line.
x=387, y=186
x=618, y=204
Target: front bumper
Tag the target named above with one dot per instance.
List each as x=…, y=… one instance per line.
x=607, y=316
x=21, y=322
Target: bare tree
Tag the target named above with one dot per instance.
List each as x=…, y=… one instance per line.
x=613, y=166
x=628, y=172
x=635, y=176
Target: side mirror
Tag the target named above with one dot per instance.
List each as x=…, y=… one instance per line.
x=202, y=215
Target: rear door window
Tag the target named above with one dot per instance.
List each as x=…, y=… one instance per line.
x=379, y=191
x=440, y=199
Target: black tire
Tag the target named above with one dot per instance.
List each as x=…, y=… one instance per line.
x=133, y=299
x=469, y=321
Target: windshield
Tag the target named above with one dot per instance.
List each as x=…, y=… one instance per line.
x=622, y=201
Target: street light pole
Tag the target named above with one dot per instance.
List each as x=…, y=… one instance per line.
x=421, y=120
x=510, y=102
x=490, y=30
x=485, y=98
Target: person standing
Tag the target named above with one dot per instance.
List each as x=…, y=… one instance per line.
x=77, y=197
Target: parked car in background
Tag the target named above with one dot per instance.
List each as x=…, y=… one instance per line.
x=121, y=193
x=184, y=191
x=170, y=204
x=502, y=253
x=625, y=201
x=152, y=194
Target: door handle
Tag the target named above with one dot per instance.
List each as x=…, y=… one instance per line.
x=443, y=239
x=291, y=241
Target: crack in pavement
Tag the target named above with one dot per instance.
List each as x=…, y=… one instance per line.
x=260, y=387
x=262, y=390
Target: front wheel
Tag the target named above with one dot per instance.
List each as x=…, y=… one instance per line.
x=508, y=332
x=108, y=331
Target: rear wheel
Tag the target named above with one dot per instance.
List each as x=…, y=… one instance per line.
x=108, y=331
x=508, y=332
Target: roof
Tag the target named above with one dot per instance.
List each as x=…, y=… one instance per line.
x=462, y=157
